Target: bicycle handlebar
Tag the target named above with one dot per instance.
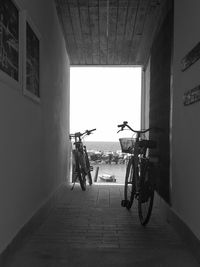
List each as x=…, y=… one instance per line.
x=90, y=131
x=125, y=124
x=79, y=134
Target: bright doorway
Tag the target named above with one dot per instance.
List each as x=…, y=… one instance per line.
x=102, y=98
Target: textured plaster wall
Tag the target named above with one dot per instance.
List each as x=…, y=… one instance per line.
x=186, y=127
x=33, y=137
x=159, y=110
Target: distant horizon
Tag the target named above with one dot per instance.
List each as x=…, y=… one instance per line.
x=103, y=145
x=100, y=141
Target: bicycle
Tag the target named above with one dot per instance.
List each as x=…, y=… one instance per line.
x=139, y=179
x=80, y=161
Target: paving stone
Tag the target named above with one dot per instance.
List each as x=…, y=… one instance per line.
x=92, y=229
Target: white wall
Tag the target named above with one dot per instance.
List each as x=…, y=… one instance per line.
x=186, y=127
x=33, y=137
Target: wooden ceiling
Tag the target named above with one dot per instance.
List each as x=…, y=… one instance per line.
x=109, y=32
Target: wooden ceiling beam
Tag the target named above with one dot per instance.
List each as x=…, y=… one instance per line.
x=156, y=13
x=138, y=32
x=94, y=22
x=108, y=32
x=76, y=26
x=103, y=32
x=113, y=16
x=133, y=32
x=130, y=24
x=121, y=27
x=85, y=25
x=68, y=28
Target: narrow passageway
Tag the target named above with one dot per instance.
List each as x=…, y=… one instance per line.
x=92, y=229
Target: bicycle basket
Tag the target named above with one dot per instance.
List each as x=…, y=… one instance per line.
x=127, y=144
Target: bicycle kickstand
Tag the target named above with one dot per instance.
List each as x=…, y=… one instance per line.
x=73, y=186
x=74, y=175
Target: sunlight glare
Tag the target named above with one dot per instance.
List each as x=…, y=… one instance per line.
x=102, y=98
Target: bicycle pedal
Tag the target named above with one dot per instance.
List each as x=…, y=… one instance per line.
x=123, y=203
x=128, y=204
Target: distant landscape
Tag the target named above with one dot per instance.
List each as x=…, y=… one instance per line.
x=106, y=157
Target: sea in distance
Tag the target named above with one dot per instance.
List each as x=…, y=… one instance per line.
x=102, y=146
x=118, y=170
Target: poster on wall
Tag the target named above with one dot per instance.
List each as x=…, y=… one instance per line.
x=32, y=62
x=9, y=39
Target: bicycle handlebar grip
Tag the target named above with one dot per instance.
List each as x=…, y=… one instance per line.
x=89, y=131
x=93, y=130
x=123, y=125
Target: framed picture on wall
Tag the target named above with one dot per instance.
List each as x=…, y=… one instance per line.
x=9, y=40
x=32, y=62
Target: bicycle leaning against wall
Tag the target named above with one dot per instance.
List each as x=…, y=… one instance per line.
x=139, y=179
x=80, y=162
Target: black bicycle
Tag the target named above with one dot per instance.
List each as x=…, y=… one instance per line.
x=139, y=179
x=80, y=162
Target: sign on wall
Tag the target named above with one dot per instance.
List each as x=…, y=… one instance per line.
x=9, y=39
x=19, y=50
x=192, y=96
x=191, y=57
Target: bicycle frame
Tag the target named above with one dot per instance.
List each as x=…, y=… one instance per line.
x=138, y=180
x=82, y=165
x=137, y=158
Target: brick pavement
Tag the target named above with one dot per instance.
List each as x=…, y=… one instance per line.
x=92, y=229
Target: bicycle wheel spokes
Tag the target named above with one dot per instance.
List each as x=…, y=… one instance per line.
x=129, y=189
x=82, y=181
x=79, y=171
x=81, y=177
x=145, y=198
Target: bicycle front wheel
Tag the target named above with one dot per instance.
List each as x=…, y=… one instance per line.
x=82, y=180
x=146, y=195
x=129, y=188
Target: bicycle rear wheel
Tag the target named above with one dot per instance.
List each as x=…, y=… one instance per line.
x=146, y=195
x=129, y=188
x=80, y=172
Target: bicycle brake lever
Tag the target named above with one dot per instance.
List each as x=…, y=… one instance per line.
x=122, y=128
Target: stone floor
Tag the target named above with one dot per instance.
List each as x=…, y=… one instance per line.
x=91, y=229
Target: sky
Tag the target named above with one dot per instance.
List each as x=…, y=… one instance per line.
x=102, y=98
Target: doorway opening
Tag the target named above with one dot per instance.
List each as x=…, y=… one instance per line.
x=102, y=98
